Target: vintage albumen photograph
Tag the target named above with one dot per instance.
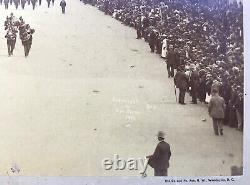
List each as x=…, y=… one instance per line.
x=136, y=88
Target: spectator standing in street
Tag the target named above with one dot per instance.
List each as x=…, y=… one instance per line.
x=63, y=5
x=216, y=110
x=171, y=61
x=181, y=81
x=160, y=159
x=194, y=83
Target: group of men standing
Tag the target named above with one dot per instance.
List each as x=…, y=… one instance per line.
x=13, y=26
x=189, y=81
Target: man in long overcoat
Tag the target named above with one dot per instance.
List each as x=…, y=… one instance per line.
x=216, y=109
x=171, y=61
x=160, y=159
x=181, y=81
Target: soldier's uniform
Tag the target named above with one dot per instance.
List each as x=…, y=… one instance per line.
x=63, y=5
x=25, y=42
x=11, y=41
x=6, y=4
x=23, y=3
x=26, y=37
x=33, y=2
x=48, y=1
x=16, y=2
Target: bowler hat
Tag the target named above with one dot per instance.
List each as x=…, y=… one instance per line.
x=161, y=134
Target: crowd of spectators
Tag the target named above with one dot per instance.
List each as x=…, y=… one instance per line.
x=207, y=35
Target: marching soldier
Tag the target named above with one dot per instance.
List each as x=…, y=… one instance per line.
x=6, y=4
x=63, y=5
x=26, y=38
x=33, y=2
x=23, y=3
x=16, y=3
x=48, y=1
x=181, y=81
x=29, y=43
x=11, y=41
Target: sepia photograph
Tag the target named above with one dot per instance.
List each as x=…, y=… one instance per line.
x=122, y=88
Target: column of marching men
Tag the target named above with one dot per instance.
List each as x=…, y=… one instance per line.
x=13, y=26
x=17, y=3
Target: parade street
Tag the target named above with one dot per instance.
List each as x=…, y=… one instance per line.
x=89, y=90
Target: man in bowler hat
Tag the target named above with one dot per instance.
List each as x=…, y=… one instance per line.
x=160, y=159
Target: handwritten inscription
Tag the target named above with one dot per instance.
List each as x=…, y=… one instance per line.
x=128, y=108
